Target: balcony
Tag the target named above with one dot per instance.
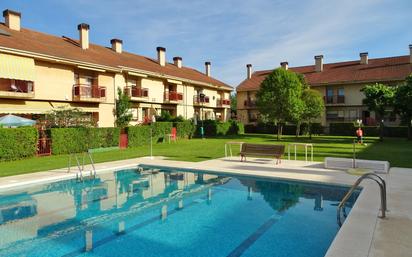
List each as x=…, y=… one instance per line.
x=223, y=103
x=173, y=97
x=87, y=93
x=203, y=101
x=250, y=104
x=334, y=99
x=18, y=89
x=136, y=93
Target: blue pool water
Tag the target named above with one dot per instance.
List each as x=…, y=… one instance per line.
x=155, y=212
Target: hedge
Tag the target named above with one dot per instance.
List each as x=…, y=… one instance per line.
x=185, y=129
x=218, y=128
x=349, y=129
x=74, y=140
x=288, y=129
x=18, y=143
x=140, y=135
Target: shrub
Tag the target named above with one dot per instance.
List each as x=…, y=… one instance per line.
x=341, y=129
x=348, y=129
x=288, y=129
x=17, y=143
x=185, y=129
x=74, y=140
x=140, y=135
x=218, y=128
x=236, y=128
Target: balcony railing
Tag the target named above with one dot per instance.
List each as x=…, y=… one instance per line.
x=334, y=99
x=222, y=102
x=18, y=89
x=136, y=92
x=89, y=93
x=197, y=100
x=250, y=103
x=173, y=96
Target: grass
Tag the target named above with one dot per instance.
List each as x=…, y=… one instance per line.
x=396, y=150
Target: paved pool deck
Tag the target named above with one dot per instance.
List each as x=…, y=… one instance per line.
x=363, y=233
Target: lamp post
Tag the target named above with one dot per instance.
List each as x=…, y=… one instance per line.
x=202, y=99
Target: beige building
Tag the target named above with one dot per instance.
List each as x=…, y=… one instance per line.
x=339, y=83
x=40, y=72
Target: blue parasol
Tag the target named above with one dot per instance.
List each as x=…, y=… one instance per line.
x=15, y=121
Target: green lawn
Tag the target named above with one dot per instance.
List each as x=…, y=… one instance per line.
x=397, y=151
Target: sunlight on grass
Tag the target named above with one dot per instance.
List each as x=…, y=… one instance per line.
x=396, y=150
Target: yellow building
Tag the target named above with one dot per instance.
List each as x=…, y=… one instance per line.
x=40, y=72
x=339, y=83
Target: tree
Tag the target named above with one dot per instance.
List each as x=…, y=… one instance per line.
x=403, y=103
x=379, y=98
x=233, y=102
x=279, y=98
x=63, y=117
x=123, y=115
x=313, y=107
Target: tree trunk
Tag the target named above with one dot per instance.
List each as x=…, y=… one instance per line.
x=409, y=130
x=297, y=129
x=310, y=130
x=280, y=128
x=381, y=130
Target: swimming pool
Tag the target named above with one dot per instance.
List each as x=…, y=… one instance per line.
x=170, y=212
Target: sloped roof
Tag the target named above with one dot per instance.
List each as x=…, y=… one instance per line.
x=63, y=47
x=377, y=70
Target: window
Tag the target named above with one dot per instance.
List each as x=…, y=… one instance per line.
x=341, y=95
x=329, y=95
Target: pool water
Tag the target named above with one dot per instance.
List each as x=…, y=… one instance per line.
x=156, y=212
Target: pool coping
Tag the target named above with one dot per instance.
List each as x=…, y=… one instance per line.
x=355, y=238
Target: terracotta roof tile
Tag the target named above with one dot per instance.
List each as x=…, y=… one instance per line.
x=377, y=70
x=63, y=47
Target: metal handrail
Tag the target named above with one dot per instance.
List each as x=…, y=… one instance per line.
x=79, y=174
x=382, y=186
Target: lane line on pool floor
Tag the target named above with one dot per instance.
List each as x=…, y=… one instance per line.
x=240, y=249
x=131, y=229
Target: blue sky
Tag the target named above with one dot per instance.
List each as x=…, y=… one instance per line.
x=231, y=34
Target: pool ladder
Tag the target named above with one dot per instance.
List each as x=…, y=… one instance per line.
x=79, y=174
x=382, y=187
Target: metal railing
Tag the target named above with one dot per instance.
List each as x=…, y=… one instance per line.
x=382, y=187
x=136, y=92
x=334, y=99
x=79, y=174
x=173, y=96
x=87, y=91
x=198, y=100
x=222, y=102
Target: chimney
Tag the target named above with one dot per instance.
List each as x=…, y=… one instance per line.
x=410, y=54
x=12, y=19
x=161, y=55
x=284, y=65
x=207, y=66
x=178, y=61
x=117, y=45
x=84, y=35
x=319, y=63
x=363, y=58
x=249, y=70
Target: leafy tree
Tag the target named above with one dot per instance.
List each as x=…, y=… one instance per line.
x=122, y=111
x=279, y=98
x=403, y=103
x=63, y=117
x=379, y=98
x=313, y=108
x=233, y=102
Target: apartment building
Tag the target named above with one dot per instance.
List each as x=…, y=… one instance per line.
x=339, y=83
x=41, y=72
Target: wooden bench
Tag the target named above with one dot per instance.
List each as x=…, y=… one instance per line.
x=262, y=150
